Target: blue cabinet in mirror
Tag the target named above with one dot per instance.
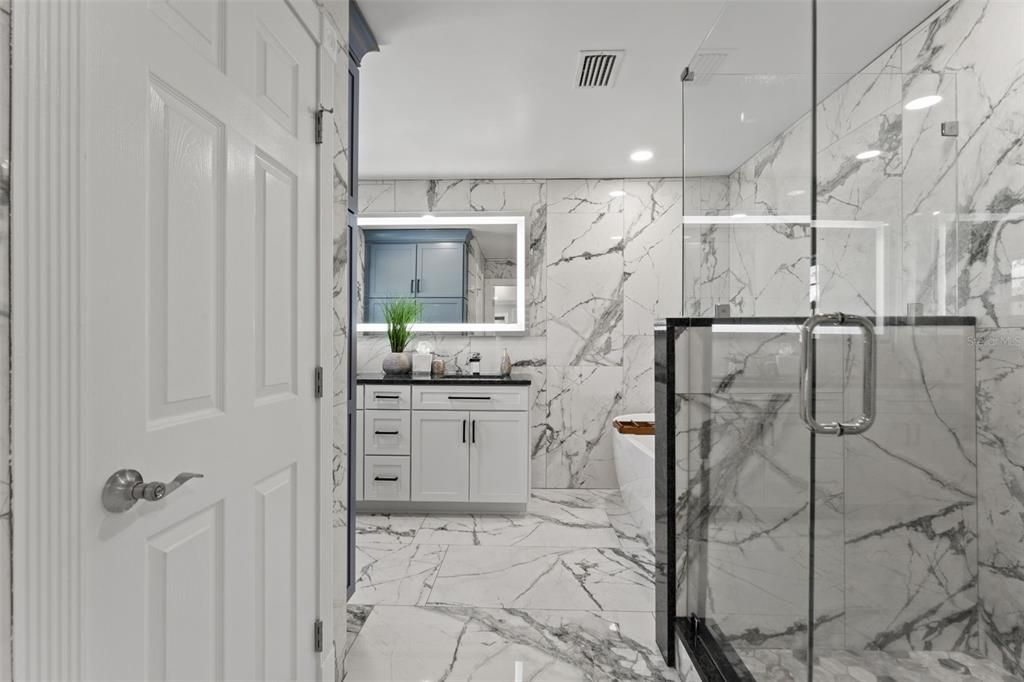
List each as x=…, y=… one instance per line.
x=468, y=272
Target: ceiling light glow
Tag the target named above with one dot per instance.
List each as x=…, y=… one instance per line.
x=869, y=154
x=923, y=102
x=642, y=155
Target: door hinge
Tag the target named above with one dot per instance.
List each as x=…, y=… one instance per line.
x=318, y=382
x=319, y=131
x=318, y=635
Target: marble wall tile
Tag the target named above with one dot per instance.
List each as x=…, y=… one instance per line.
x=581, y=403
x=336, y=12
x=874, y=89
x=638, y=374
x=376, y=196
x=1000, y=409
x=585, y=283
x=652, y=242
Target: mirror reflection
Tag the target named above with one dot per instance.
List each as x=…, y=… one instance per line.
x=461, y=270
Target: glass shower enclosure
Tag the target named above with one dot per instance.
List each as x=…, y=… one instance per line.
x=843, y=390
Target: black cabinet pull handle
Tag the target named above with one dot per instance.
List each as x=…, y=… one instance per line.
x=463, y=430
x=391, y=479
x=417, y=286
x=385, y=396
x=474, y=430
x=412, y=286
x=469, y=397
x=386, y=433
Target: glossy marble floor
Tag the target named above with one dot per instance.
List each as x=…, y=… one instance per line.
x=774, y=665
x=562, y=593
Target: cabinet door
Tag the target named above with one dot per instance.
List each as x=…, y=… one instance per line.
x=390, y=270
x=443, y=309
x=499, y=457
x=441, y=269
x=440, y=456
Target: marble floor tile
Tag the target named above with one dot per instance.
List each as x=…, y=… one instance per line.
x=456, y=644
x=546, y=578
x=387, y=529
x=395, y=574
x=608, y=500
x=543, y=528
x=872, y=666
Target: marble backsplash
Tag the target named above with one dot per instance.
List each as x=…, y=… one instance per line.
x=600, y=270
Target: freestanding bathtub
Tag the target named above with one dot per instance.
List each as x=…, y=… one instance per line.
x=634, y=465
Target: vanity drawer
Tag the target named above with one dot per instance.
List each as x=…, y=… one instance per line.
x=476, y=398
x=385, y=478
x=386, y=432
x=377, y=397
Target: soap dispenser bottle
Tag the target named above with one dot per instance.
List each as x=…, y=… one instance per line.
x=506, y=364
x=474, y=364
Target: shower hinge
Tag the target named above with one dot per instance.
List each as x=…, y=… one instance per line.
x=318, y=635
x=687, y=75
x=318, y=382
x=950, y=128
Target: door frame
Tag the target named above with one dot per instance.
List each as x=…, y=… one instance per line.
x=47, y=339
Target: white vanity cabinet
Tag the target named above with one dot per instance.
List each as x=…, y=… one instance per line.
x=466, y=443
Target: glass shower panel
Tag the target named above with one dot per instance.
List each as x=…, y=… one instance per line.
x=743, y=454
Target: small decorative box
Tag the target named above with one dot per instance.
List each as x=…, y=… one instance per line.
x=421, y=363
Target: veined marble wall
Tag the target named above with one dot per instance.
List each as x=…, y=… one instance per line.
x=945, y=235
x=338, y=11
x=600, y=270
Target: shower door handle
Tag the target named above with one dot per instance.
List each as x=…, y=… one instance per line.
x=807, y=364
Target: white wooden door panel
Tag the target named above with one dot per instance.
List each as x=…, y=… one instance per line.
x=201, y=339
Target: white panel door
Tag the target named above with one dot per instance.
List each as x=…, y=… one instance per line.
x=440, y=456
x=499, y=457
x=201, y=339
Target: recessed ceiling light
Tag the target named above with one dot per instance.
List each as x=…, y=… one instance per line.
x=616, y=193
x=642, y=155
x=869, y=154
x=796, y=192
x=923, y=102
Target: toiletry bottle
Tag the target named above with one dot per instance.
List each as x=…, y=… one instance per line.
x=474, y=364
x=506, y=364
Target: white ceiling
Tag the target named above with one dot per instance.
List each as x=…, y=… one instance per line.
x=484, y=88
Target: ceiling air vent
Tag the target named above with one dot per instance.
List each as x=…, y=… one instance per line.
x=706, y=64
x=598, y=68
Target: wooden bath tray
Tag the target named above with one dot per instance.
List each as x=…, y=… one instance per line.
x=633, y=428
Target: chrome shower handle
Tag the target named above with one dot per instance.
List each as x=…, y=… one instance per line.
x=869, y=380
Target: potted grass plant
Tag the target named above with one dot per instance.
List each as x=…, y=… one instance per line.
x=400, y=314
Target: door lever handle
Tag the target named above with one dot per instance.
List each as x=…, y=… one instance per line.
x=126, y=487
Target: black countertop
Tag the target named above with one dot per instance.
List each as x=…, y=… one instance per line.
x=448, y=379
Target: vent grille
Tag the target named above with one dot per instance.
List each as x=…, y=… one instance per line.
x=598, y=68
x=706, y=64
